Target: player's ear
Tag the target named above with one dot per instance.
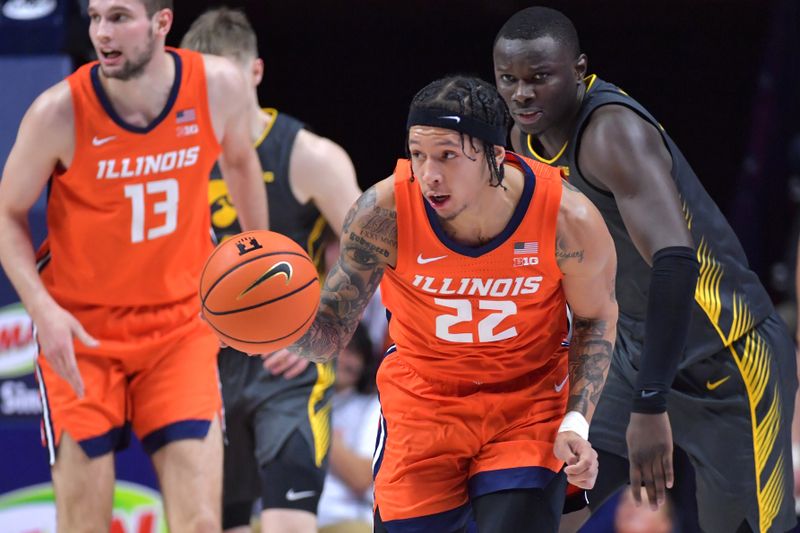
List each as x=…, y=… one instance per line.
x=257, y=71
x=499, y=154
x=162, y=20
x=581, y=68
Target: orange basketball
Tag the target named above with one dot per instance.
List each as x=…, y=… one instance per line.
x=259, y=291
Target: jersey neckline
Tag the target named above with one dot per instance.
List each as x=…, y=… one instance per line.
x=109, y=109
x=503, y=236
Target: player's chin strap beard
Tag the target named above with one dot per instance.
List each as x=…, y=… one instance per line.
x=443, y=118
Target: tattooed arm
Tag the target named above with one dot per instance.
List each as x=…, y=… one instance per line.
x=587, y=258
x=368, y=246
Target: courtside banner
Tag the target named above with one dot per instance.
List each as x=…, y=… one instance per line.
x=137, y=509
x=19, y=395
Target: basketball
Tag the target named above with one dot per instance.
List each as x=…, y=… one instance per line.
x=259, y=291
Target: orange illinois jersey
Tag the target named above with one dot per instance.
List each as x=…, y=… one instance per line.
x=483, y=314
x=128, y=221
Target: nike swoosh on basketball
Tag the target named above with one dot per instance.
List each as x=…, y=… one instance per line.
x=561, y=385
x=283, y=268
x=425, y=260
x=104, y=140
x=452, y=117
x=293, y=496
x=712, y=386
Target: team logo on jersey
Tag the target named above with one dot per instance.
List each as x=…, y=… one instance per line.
x=495, y=287
x=282, y=268
x=147, y=165
x=254, y=245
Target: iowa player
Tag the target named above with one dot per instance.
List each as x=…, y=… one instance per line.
x=701, y=357
x=277, y=426
x=126, y=145
x=477, y=251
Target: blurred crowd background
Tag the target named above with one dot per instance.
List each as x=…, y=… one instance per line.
x=722, y=76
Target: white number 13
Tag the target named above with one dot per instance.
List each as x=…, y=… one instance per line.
x=486, y=327
x=167, y=207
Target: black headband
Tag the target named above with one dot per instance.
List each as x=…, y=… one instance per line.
x=442, y=118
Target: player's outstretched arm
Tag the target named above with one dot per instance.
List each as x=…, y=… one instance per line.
x=368, y=246
x=44, y=140
x=587, y=258
x=241, y=170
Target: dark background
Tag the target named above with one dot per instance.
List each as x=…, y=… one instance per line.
x=350, y=68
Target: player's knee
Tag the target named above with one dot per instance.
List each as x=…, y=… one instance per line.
x=204, y=521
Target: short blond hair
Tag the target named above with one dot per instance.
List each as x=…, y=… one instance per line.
x=223, y=32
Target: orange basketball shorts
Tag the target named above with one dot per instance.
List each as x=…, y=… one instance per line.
x=154, y=371
x=441, y=444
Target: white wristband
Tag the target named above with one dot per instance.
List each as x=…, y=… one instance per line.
x=574, y=421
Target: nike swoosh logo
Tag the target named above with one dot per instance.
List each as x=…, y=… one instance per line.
x=282, y=268
x=712, y=386
x=425, y=260
x=561, y=385
x=292, y=496
x=452, y=117
x=649, y=393
x=104, y=140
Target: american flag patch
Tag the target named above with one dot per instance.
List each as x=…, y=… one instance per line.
x=527, y=247
x=185, y=115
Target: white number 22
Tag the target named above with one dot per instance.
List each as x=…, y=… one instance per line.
x=486, y=327
x=167, y=207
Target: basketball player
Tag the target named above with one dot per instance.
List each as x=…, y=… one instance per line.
x=702, y=359
x=277, y=426
x=125, y=146
x=479, y=251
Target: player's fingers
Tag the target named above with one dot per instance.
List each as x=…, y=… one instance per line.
x=274, y=360
x=660, y=482
x=636, y=484
x=669, y=471
x=86, y=339
x=649, y=484
x=297, y=368
x=70, y=371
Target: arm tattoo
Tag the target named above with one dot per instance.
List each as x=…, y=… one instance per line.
x=589, y=360
x=369, y=236
x=563, y=253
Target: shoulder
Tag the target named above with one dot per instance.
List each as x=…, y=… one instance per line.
x=317, y=150
x=616, y=125
x=575, y=209
x=379, y=197
x=224, y=79
x=582, y=238
x=52, y=113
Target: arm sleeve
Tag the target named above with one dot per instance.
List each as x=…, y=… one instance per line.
x=669, y=309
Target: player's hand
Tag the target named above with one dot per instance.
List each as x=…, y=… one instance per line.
x=55, y=331
x=581, y=459
x=650, y=454
x=285, y=363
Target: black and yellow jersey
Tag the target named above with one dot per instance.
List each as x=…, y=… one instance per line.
x=729, y=298
x=303, y=223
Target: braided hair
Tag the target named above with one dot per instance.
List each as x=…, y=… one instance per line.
x=471, y=97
